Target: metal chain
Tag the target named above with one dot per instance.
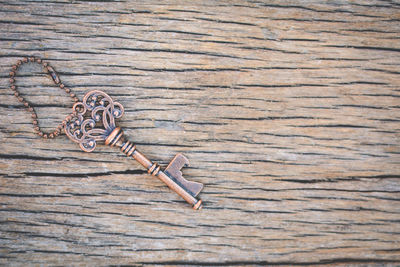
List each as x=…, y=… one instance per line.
x=48, y=69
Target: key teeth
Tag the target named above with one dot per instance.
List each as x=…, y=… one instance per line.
x=174, y=169
x=176, y=164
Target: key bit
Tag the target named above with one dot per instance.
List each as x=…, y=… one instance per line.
x=94, y=120
x=173, y=170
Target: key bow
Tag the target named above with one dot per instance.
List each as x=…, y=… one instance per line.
x=103, y=112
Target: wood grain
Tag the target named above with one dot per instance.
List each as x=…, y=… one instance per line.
x=287, y=110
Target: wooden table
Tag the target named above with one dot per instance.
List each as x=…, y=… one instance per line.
x=287, y=110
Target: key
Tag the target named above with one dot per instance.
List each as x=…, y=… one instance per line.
x=93, y=120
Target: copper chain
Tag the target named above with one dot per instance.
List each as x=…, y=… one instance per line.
x=48, y=69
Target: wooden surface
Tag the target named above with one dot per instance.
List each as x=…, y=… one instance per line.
x=287, y=110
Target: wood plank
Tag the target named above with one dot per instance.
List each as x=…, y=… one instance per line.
x=288, y=112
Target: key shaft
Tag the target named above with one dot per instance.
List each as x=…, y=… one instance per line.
x=117, y=138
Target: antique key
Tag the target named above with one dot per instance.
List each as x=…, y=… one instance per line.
x=100, y=126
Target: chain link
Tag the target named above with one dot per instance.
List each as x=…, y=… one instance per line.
x=48, y=69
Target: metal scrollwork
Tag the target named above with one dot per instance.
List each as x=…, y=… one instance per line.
x=102, y=111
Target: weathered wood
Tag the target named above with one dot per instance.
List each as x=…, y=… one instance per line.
x=287, y=110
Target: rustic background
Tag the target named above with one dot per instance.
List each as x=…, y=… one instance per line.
x=287, y=110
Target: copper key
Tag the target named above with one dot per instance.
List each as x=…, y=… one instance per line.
x=100, y=126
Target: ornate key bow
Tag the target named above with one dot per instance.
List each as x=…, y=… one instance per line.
x=100, y=126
